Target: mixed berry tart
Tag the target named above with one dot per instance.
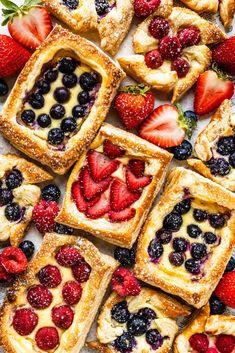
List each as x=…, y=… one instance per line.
x=52, y=306
x=111, y=18
x=113, y=185
x=171, y=50
x=18, y=195
x=188, y=237
x=60, y=99
x=146, y=323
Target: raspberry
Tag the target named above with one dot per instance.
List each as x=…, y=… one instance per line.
x=170, y=48
x=4, y=276
x=159, y=27
x=62, y=316
x=68, y=256
x=212, y=350
x=13, y=260
x=181, y=66
x=199, y=342
x=49, y=276
x=44, y=214
x=72, y=292
x=225, y=343
x=81, y=272
x=145, y=7
x=125, y=283
x=47, y=338
x=225, y=290
x=25, y=321
x=39, y=297
x=153, y=59
x=189, y=36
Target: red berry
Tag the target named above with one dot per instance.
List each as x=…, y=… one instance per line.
x=39, y=297
x=49, y=276
x=137, y=167
x=68, y=256
x=199, y=342
x=111, y=150
x=72, y=292
x=4, y=275
x=44, y=214
x=189, y=36
x=159, y=27
x=122, y=216
x=153, y=59
x=47, y=338
x=212, y=350
x=81, y=272
x=225, y=343
x=13, y=260
x=24, y=321
x=225, y=290
x=145, y=7
x=181, y=66
x=62, y=316
x=170, y=48
x=125, y=283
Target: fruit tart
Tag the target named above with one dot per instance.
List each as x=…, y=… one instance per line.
x=188, y=237
x=18, y=195
x=112, y=186
x=171, y=50
x=111, y=18
x=52, y=306
x=144, y=323
x=215, y=148
x=209, y=334
x=60, y=100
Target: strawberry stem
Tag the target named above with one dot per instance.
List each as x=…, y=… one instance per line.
x=136, y=89
x=12, y=10
x=186, y=123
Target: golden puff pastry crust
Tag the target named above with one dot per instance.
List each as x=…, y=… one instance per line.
x=194, y=275
x=33, y=140
x=198, y=56
x=112, y=28
x=156, y=164
x=93, y=290
x=221, y=125
x=166, y=311
x=25, y=194
x=227, y=11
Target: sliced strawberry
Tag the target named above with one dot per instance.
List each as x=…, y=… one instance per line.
x=121, y=197
x=111, y=150
x=101, y=166
x=100, y=208
x=137, y=167
x=90, y=188
x=134, y=183
x=79, y=199
x=122, y=216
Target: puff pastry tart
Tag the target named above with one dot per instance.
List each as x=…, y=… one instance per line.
x=205, y=333
x=52, y=307
x=60, y=100
x=188, y=237
x=144, y=323
x=215, y=148
x=113, y=185
x=18, y=195
x=171, y=50
x=111, y=18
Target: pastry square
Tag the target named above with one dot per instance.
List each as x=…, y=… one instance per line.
x=214, y=148
x=18, y=195
x=156, y=314
x=52, y=306
x=66, y=77
x=104, y=196
x=111, y=18
x=213, y=327
x=198, y=56
x=188, y=238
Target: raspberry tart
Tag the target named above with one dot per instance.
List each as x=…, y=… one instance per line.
x=146, y=323
x=52, y=307
x=188, y=237
x=18, y=195
x=60, y=99
x=171, y=50
x=113, y=185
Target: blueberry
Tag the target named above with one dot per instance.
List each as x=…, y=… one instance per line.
x=125, y=256
x=51, y=192
x=27, y=247
x=155, y=249
x=210, y=238
x=69, y=80
x=218, y=166
x=183, y=207
x=154, y=338
x=180, y=244
x=137, y=325
x=44, y=120
x=88, y=81
x=124, y=343
x=216, y=306
x=164, y=236
x=217, y=220
x=226, y=145
x=62, y=229
x=55, y=136
x=147, y=313
x=71, y=4
x=62, y=94
x=83, y=97
x=183, y=151
x=120, y=312
x=68, y=125
x=43, y=86
x=79, y=111
x=194, y=231
x=176, y=258
x=231, y=265
x=198, y=251
x=67, y=65
x=189, y=114
x=36, y=100
x=14, y=179
x=102, y=7
x=199, y=215
x=51, y=75
x=28, y=116
x=6, y=197
x=57, y=111
x=192, y=266
x=232, y=160
x=173, y=221
x=3, y=88
x=12, y=212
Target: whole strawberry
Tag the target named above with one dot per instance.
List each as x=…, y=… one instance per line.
x=44, y=214
x=224, y=55
x=225, y=290
x=144, y=8
x=134, y=104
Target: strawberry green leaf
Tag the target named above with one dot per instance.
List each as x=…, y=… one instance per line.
x=9, y=5
x=185, y=123
x=135, y=89
x=12, y=10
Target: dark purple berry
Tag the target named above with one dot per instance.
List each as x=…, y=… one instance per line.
x=44, y=120
x=3, y=87
x=70, y=80
x=164, y=236
x=43, y=86
x=62, y=229
x=12, y=212
x=120, y=312
x=226, y=145
x=147, y=313
x=83, y=97
x=137, y=325
x=6, y=197
x=28, y=116
x=176, y=258
x=155, y=249
x=125, y=256
x=210, y=238
x=217, y=220
x=88, y=81
x=28, y=248
x=68, y=124
x=198, y=251
x=216, y=306
x=51, y=75
x=154, y=338
x=36, y=100
x=51, y=192
x=180, y=244
x=173, y=221
x=14, y=179
x=194, y=231
x=62, y=94
x=55, y=136
x=67, y=65
x=183, y=207
x=124, y=343
x=192, y=266
x=57, y=111
x=231, y=265
x=199, y=215
x=79, y=111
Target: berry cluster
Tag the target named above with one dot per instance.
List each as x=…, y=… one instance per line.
x=199, y=342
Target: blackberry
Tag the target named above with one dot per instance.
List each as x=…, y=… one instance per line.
x=183, y=207
x=88, y=81
x=210, y=238
x=125, y=256
x=137, y=325
x=120, y=312
x=218, y=166
x=216, y=306
x=67, y=65
x=199, y=215
x=173, y=221
x=14, y=179
x=62, y=229
x=28, y=116
x=44, y=120
x=12, y=212
x=183, y=151
x=55, y=136
x=194, y=231
x=69, y=80
x=198, y=251
x=192, y=266
x=226, y=145
x=231, y=265
x=62, y=94
x=57, y=111
x=155, y=249
x=51, y=192
x=28, y=248
x=125, y=342
x=217, y=220
x=180, y=244
x=176, y=258
x=164, y=236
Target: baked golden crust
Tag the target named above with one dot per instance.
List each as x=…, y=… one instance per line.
x=94, y=289
x=24, y=138
x=173, y=279
x=124, y=233
x=227, y=11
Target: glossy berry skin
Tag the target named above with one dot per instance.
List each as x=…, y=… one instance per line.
x=170, y=48
x=147, y=313
x=124, y=343
x=81, y=272
x=219, y=166
x=51, y=75
x=6, y=196
x=14, y=179
x=216, y=306
x=225, y=290
x=13, y=260
x=71, y=4
x=155, y=249
x=24, y=321
x=62, y=94
x=51, y=192
x=88, y=81
x=192, y=266
x=28, y=248
x=164, y=236
x=57, y=111
x=120, y=312
x=194, y=231
x=125, y=256
x=47, y=338
x=12, y=212
x=189, y=114
x=79, y=111
x=83, y=97
x=183, y=207
x=176, y=258
x=154, y=338
x=183, y=151
x=36, y=100
x=173, y=221
x=68, y=125
x=231, y=265
x=153, y=59
x=69, y=80
x=43, y=86
x=50, y=276
x=180, y=244
x=210, y=238
x=198, y=251
x=199, y=215
x=67, y=65
x=44, y=120
x=159, y=27
x=62, y=229
x=181, y=66
x=62, y=316
x=39, y=297
x=55, y=136
x=137, y=325
x=232, y=160
x=72, y=292
x=217, y=220
x=28, y=116
x=102, y=7
x=226, y=145
x=3, y=88
x=189, y=36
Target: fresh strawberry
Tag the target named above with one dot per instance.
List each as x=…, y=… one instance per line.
x=134, y=104
x=166, y=126
x=28, y=24
x=101, y=207
x=90, y=188
x=134, y=183
x=137, y=167
x=111, y=150
x=79, y=199
x=224, y=55
x=44, y=214
x=225, y=290
x=125, y=283
x=101, y=166
x=145, y=7
x=212, y=89
x=13, y=56
x=122, y=216
x=121, y=197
